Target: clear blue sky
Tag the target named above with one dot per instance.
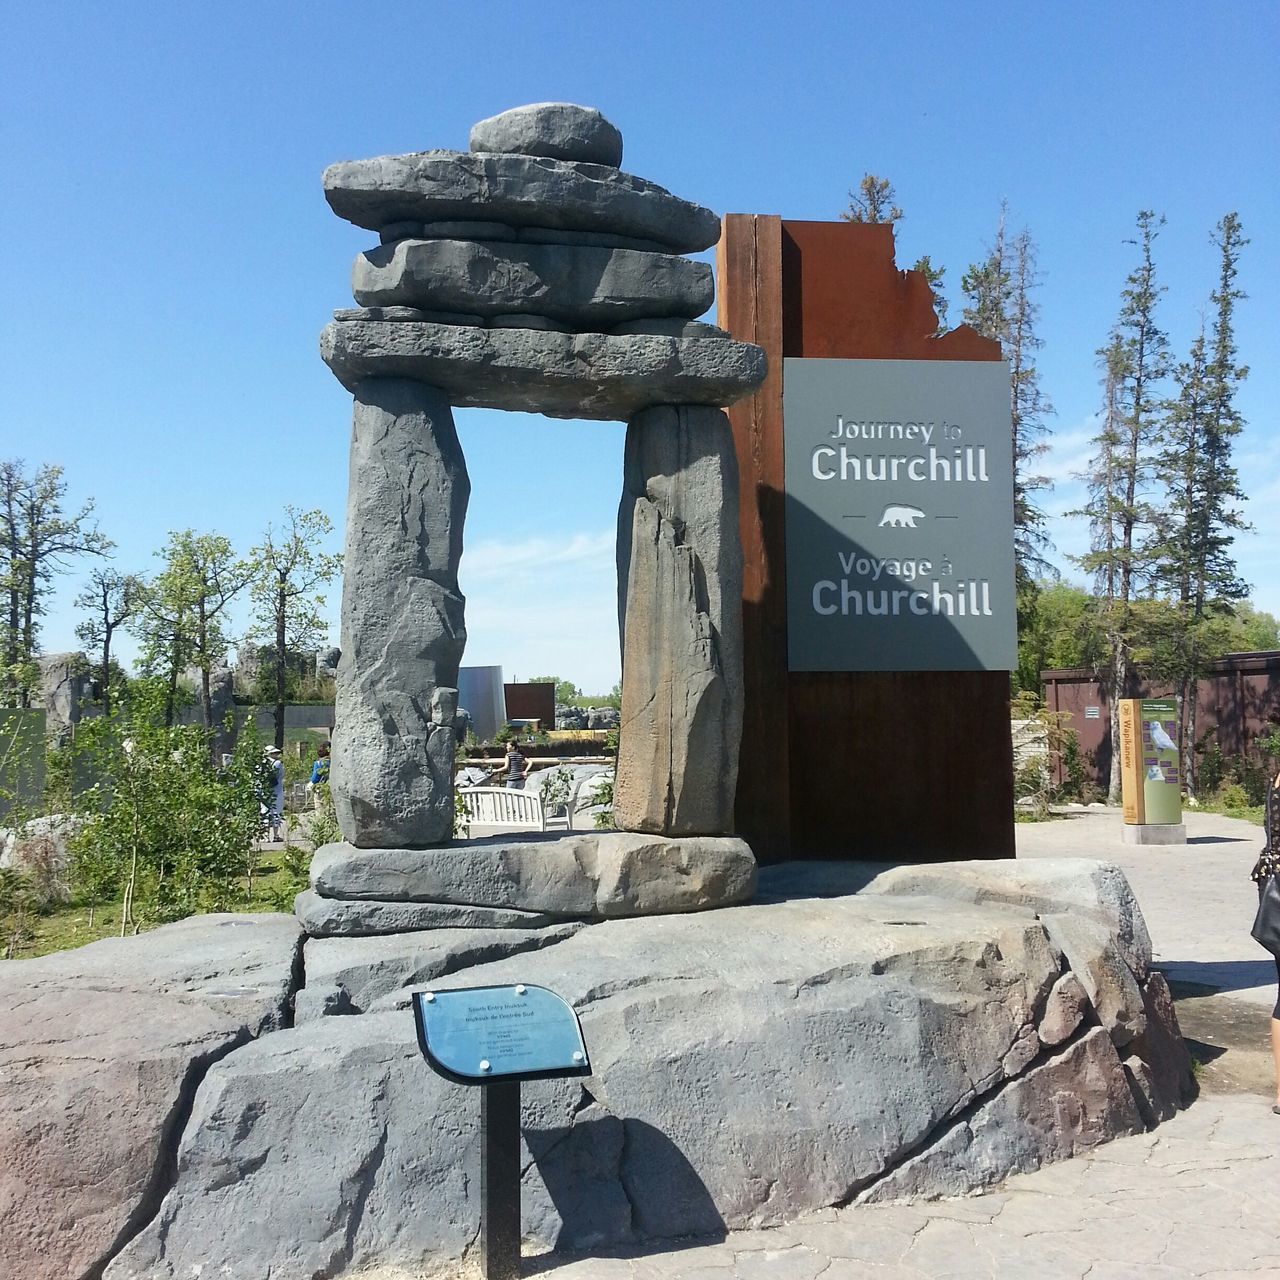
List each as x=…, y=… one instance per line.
x=172, y=259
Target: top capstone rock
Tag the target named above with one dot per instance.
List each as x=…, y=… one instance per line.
x=559, y=130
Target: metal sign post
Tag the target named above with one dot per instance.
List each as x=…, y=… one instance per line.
x=496, y=1037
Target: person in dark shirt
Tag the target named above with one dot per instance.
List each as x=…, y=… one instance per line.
x=1267, y=866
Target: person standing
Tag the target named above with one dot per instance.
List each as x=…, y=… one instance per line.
x=274, y=808
x=515, y=767
x=1268, y=865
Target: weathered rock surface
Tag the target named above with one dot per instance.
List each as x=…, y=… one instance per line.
x=1068, y=1104
x=749, y=1065
x=402, y=617
x=1064, y=1010
x=101, y=1050
x=1071, y=885
x=522, y=191
x=1095, y=958
x=583, y=287
x=1157, y=1060
x=581, y=375
x=64, y=684
x=363, y=970
x=337, y=918
x=586, y=874
x=561, y=130
x=680, y=591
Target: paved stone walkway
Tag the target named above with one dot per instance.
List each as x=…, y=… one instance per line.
x=1196, y=1198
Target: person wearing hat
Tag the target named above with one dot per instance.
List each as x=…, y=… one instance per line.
x=275, y=810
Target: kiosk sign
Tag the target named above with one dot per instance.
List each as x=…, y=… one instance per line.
x=899, y=515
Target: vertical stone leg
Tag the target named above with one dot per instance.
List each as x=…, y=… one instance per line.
x=680, y=606
x=402, y=619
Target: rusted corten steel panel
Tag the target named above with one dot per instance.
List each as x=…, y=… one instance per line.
x=862, y=765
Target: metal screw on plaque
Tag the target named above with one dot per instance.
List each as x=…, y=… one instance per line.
x=484, y=1065
x=429, y=997
x=577, y=1055
x=521, y=988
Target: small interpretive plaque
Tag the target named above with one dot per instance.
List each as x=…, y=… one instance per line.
x=477, y=1035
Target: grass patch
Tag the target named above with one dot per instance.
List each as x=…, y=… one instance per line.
x=62, y=928
x=1247, y=812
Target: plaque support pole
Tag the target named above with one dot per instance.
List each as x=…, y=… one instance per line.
x=500, y=1180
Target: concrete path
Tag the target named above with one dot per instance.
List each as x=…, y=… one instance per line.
x=1196, y=1198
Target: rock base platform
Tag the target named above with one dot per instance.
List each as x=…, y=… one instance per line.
x=846, y=1037
x=1154, y=833
x=522, y=883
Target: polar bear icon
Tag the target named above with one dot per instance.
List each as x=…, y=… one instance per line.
x=900, y=517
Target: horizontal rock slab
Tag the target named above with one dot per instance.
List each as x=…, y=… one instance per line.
x=461, y=229
x=580, y=375
x=334, y=918
x=397, y=314
x=562, y=130
x=584, y=874
x=101, y=1050
x=748, y=1066
x=601, y=239
x=457, y=230
x=670, y=328
x=522, y=191
x=365, y=969
x=586, y=287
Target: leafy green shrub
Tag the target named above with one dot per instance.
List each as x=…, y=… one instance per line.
x=163, y=827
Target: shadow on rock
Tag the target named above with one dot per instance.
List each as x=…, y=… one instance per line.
x=606, y=1182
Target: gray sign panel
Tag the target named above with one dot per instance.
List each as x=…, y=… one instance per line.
x=899, y=515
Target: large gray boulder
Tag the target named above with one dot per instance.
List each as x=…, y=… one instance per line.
x=583, y=874
x=680, y=593
x=561, y=130
x=564, y=375
x=101, y=1052
x=522, y=191
x=748, y=1066
x=586, y=288
x=402, y=618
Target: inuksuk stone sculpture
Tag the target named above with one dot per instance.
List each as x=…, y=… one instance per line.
x=531, y=273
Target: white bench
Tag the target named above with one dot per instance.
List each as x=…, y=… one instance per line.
x=500, y=807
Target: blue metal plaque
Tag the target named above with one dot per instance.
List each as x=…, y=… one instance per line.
x=476, y=1035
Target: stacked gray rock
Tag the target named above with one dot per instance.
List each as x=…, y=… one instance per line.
x=531, y=273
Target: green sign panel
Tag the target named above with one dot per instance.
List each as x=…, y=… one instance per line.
x=899, y=515
x=1161, y=781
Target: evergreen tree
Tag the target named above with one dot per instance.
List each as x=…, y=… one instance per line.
x=1201, y=516
x=1000, y=306
x=875, y=201
x=1124, y=557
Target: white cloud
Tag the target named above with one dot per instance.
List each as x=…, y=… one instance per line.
x=544, y=606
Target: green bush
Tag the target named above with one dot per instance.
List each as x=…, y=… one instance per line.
x=165, y=829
